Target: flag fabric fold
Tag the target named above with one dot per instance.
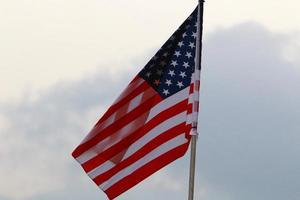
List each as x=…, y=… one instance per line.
x=149, y=124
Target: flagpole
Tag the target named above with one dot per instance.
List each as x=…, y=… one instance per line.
x=194, y=133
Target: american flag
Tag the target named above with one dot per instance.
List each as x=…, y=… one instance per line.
x=149, y=125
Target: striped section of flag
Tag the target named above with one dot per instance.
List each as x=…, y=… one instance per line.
x=148, y=126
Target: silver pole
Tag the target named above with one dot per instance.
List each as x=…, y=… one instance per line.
x=192, y=167
x=196, y=101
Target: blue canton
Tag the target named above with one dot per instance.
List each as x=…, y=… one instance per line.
x=170, y=70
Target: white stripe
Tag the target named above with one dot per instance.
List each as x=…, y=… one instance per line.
x=189, y=118
x=169, y=102
x=156, y=131
x=166, y=103
x=129, y=89
x=99, y=170
x=142, y=97
x=135, y=102
x=99, y=127
x=132, y=105
x=193, y=78
x=108, y=142
x=191, y=98
x=159, y=151
x=107, y=122
x=196, y=78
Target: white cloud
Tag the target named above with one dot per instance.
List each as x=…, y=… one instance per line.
x=249, y=128
x=31, y=165
x=39, y=135
x=44, y=42
x=164, y=180
x=291, y=49
x=4, y=123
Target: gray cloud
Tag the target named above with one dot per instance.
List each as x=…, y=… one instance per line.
x=40, y=134
x=250, y=116
x=3, y=198
x=248, y=145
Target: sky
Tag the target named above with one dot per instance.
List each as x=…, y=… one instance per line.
x=55, y=57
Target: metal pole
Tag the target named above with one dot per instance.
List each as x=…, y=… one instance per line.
x=192, y=167
x=196, y=100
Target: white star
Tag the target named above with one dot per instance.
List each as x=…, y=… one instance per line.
x=165, y=54
x=177, y=53
x=162, y=63
x=151, y=66
x=188, y=54
x=174, y=63
x=187, y=26
x=184, y=35
x=186, y=64
x=182, y=74
x=172, y=38
x=169, y=82
x=148, y=74
x=166, y=92
x=159, y=72
x=192, y=45
x=180, y=44
x=171, y=72
x=179, y=84
x=194, y=35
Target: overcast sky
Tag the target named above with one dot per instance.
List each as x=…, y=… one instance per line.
x=56, y=55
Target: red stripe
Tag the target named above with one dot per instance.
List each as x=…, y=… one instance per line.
x=190, y=108
x=197, y=86
x=196, y=108
x=126, y=142
x=116, y=115
x=121, y=111
x=145, y=171
x=130, y=87
x=162, y=138
x=192, y=88
x=150, y=92
x=135, y=79
x=188, y=128
x=137, y=123
x=144, y=107
x=144, y=86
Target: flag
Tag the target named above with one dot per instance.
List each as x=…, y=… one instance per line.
x=149, y=124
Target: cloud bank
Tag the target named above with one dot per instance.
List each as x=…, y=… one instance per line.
x=248, y=146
